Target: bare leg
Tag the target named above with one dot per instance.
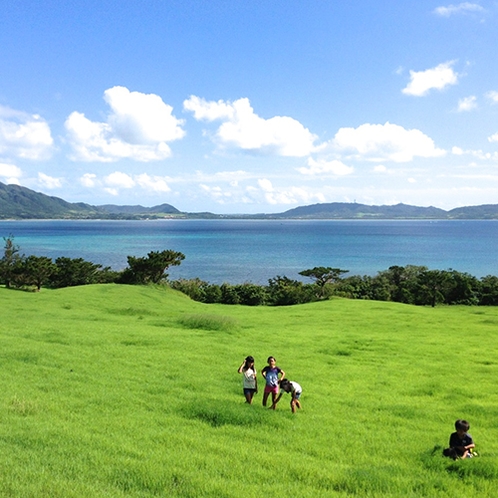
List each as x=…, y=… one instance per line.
x=265, y=398
x=273, y=398
x=249, y=398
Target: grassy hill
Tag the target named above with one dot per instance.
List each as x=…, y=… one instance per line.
x=124, y=391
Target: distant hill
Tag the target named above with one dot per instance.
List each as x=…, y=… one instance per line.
x=483, y=212
x=352, y=210
x=138, y=210
x=22, y=203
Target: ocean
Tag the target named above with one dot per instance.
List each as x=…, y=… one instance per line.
x=238, y=251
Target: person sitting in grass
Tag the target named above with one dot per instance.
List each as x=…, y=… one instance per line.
x=461, y=442
x=292, y=388
x=250, y=383
x=270, y=374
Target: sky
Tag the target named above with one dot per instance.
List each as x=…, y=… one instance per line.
x=251, y=106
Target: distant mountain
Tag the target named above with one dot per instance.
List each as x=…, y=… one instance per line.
x=352, y=210
x=483, y=212
x=163, y=208
x=22, y=203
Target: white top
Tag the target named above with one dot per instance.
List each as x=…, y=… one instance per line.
x=249, y=378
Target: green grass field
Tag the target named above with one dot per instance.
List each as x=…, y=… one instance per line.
x=126, y=391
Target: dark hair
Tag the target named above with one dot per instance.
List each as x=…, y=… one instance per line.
x=284, y=383
x=269, y=358
x=248, y=360
x=462, y=425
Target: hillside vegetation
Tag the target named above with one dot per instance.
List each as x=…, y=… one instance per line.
x=133, y=391
x=18, y=202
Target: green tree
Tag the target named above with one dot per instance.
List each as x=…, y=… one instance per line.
x=283, y=291
x=10, y=261
x=229, y=294
x=70, y=272
x=463, y=288
x=251, y=294
x=36, y=270
x=403, y=282
x=323, y=275
x=433, y=287
x=489, y=290
x=150, y=270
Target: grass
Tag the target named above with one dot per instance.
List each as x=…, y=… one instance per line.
x=124, y=391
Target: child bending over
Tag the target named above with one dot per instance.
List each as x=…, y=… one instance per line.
x=294, y=389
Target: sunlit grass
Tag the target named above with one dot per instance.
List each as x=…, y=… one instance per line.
x=133, y=391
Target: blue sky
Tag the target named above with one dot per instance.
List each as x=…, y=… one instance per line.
x=251, y=106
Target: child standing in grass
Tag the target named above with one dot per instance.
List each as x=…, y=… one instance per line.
x=270, y=374
x=294, y=389
x=250, y=383
x=461, y=442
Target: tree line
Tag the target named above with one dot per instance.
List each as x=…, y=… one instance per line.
x=23, y=272
x=403, y=284
x=409, y=284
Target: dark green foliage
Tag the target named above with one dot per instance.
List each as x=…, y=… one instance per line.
x=34, y=271
x=193, y=288
x=150, y=270
x=198, y=290
x=70, y=272
x=284, y=291
x=489, y=290
x=229, y=294
x=10, y=261
x=251, y=294
x=323, y=275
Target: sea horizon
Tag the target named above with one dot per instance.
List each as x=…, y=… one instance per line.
x=255, y=250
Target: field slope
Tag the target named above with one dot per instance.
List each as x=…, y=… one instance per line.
x=125, y=391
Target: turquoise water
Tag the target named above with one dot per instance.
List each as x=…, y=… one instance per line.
x=239, y=251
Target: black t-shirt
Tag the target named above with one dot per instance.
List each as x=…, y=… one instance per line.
x=456, y=441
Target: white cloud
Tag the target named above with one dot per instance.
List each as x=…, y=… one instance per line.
x=152, y=183
x=322, y=167
x=439, y=77
x=242, y=128
x=461, y=8
x=380, y=168
x=493, y=138
x=10, y=174
x=23, y=135
x=217, y=193
x=467, y=103
x=138, y=127
x=49, y=181
x=289, y=195
x=88, y=180
x=119, y=180
x=479, y=154
x=388, y=142
x=493, y=96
